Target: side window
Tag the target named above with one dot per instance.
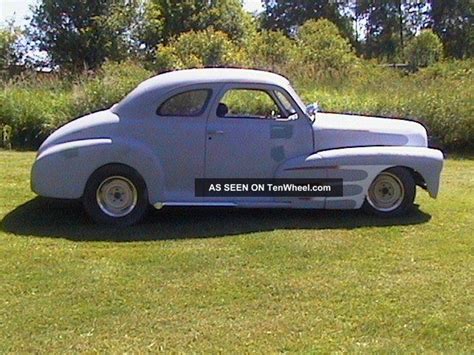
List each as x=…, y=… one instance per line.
x=248, y=103
x=189, y=103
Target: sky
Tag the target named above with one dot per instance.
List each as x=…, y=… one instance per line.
x=19, y=9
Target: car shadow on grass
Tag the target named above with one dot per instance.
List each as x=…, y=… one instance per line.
x=66, y=219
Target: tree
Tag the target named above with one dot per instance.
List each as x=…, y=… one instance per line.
x=81, y=35
x=164, y=20
x=171, y=18
x=424, y=50
x=452, y=21
x=8, y=38
x=288, y=15
x=389, y=24
x=384, y=29
x=207, y=48
x=149, y=28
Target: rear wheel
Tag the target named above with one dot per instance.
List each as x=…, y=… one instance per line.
x=116, y=195
x=391, y=193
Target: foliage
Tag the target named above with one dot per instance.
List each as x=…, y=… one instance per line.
x=198, y=49
x=7, y=50
x=288, y=15
x=455, y=70
x=34, y=107
x=33, y=112
x=107, y=87
x=165, y=20
x=424, y=49
x=385, y=25
x=272, y=50
x=167, y=58
x=252, y=103
x=209, y=280
x=81, y=35
x=321, y=46
x=384, y=28
x=448, y=114
x=229, y=16
x=452, y=21
x=148, y=31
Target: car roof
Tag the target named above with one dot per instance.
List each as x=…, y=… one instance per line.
x=146, y=92
x=213, y=75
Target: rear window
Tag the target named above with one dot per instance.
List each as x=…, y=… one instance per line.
x=188, y=104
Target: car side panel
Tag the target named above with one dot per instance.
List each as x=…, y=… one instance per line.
x=300, y=168
x=62, y=170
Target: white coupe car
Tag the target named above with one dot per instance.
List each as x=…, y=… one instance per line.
x=203, y=136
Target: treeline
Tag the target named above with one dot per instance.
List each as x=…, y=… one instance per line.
x=382, y=28
x=81, y=35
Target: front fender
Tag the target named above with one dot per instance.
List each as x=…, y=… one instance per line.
x=425, y=161
x=359, y=166
x=62, y=170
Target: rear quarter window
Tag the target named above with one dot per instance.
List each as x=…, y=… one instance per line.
x=187, y=104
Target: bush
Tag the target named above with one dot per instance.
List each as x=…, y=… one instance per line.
x=424, y=50
x=272, y=50
x=208, y=48
x=323, y=48
x=108, y=86
x=167, y=59
x=453, y=69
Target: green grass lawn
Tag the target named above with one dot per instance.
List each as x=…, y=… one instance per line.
x=245, y=280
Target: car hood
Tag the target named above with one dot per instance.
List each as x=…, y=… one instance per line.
x=95, y=125
x=333, y=130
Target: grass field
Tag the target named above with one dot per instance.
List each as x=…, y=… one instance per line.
x=243, y=280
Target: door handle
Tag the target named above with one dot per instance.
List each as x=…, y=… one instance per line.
x=215, y=131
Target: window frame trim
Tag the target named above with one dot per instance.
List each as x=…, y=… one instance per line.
x=264, y=90
x=288, y=98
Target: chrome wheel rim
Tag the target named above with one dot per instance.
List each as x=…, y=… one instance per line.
x=117, y=196
x=386, y=193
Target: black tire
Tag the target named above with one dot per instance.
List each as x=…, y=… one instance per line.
x=399, y=176
x=95, y=200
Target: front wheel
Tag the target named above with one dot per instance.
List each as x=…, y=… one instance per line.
x=391, y=193
x=116, y=195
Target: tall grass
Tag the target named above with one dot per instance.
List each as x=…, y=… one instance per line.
x=441, y=97
x=34, y=106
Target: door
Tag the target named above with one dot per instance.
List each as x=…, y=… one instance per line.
x=251, y=130
x=178, y=134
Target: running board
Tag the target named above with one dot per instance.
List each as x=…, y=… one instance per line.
x=160, y=205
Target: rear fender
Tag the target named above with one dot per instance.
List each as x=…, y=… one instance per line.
x=62, y=170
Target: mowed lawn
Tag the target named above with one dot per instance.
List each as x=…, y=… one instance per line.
x=242, y=280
